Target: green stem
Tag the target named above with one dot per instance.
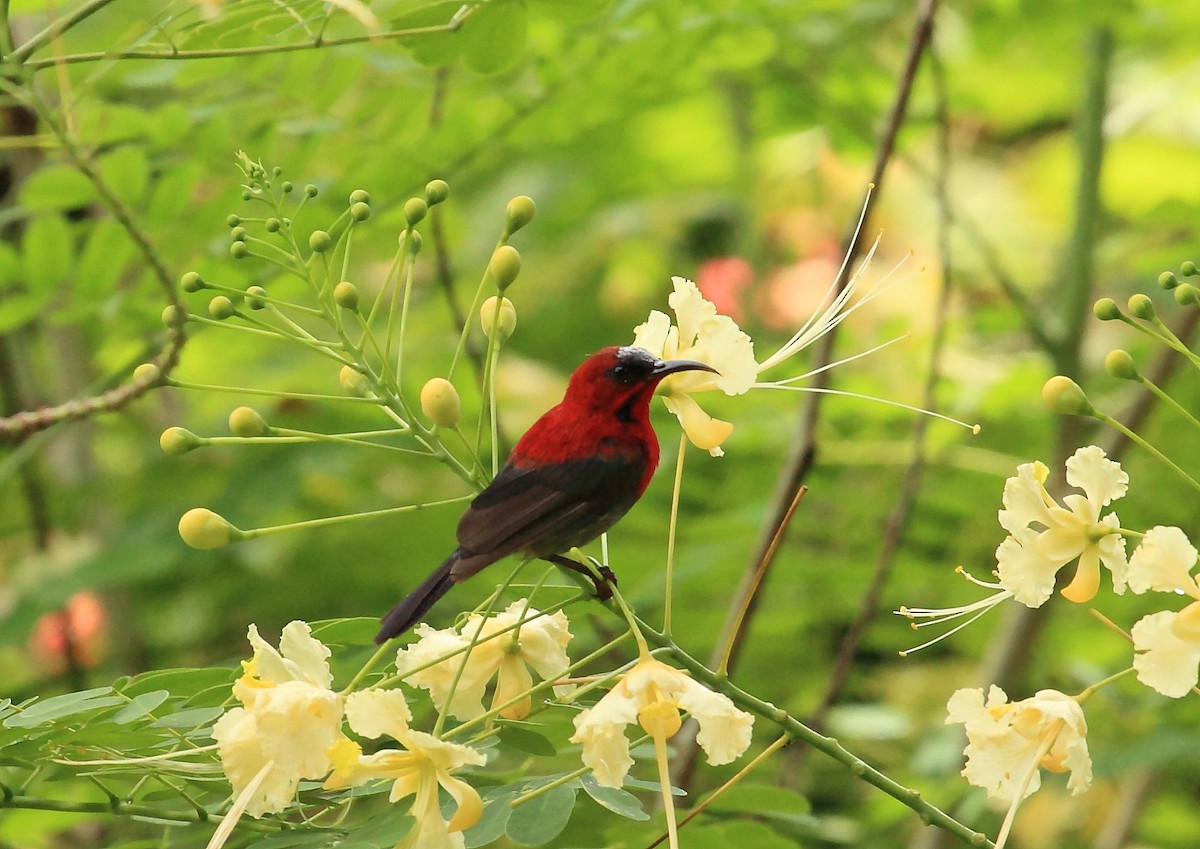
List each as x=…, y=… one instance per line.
x=55, y=29
x=634, y=626
x=669, y=596
x=32, y=803
x=1133, y=437
x=1090, y=691
x=367, y=667
x=1163, y=396
x=269, y=393
x=340, y=520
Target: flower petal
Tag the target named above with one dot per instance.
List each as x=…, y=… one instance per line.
x=1024, y=572
x=378, y=713
x=651, y=335
x=1102, y=479
x=702, y=429
x=1164, y=662
x=1163, y=561
x=724, y=729
x=601, y=731
x=306, y=657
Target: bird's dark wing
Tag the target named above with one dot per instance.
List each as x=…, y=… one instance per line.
x=547, y=508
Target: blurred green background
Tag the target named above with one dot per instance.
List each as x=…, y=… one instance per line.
x=730, y=143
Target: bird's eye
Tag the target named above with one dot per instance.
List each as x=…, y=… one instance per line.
x=622, y=374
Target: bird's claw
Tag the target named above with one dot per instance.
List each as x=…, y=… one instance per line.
x=604, y=581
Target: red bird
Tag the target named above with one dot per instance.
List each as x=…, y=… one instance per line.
x=572, y=475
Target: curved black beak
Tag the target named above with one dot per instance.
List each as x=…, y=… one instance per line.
x=664, y=367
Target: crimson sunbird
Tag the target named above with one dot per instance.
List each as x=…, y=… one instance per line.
x=574, y=473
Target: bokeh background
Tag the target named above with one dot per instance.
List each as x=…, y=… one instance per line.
x=731, y=143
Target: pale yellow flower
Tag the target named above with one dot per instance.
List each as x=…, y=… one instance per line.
x=1167, y=643
x=652, y=694
x=1045, y=536
x=289, y=718
x=502, y=651
x=1008, y=744
x=424, y=764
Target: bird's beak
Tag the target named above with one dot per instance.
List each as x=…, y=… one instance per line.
x=664, y=367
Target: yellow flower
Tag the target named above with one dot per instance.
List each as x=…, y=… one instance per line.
x=424, y=764
x=502, y=650
x=288, y=720
x=652, y=694
x=1167, y=643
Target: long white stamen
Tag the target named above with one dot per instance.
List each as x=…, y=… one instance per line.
x=947, y=614
x=906, y=652
x=230, y=820
x=802, y=377
x=166, y=756
x=974, y=428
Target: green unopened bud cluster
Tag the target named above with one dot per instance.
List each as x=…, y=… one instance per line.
x=247, y=422
x=518, y=213
x=415, y=210
x=1120, y=365
x=177, y=441
x=440, y=402
x=345, y=295
x=436, y=191
x=504, y=266
x=1065, y=397
x=202, y=528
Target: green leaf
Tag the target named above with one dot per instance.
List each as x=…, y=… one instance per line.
x=126, y=172
x=181, y=682
x=57, y=707
x=140, y=706
x=542, y=818
x=10, y=266
x=436, y=48
x=652, y=786
x=190, y=718
x=571, y=11
x=761, y=799
x=525, y=739
x=19, y=309
x=383, y=831
x=299, y=838
x=493, y=38
x=46, y=252
x=490, y=828
x=618, y=801
x=107, y=252
x=56, y=188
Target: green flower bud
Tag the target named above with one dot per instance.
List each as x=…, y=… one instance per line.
x=276, y=171
x=233, y=220
x=147, y=373
x=201, y=528
x=1141, y=307
x=345, y=295
x=172, y=317
x=272, y=225
x=360, y=212
x=507, y=321
x=246, y=195
x=221, y=308
x=310, y=191
x=238, y=250
x=246, y=421
x=414, y=242
x=319, y=241
x=440, y=402
x=1186, y=294
x=176, y=441
x=1120, y=365
x=1063, y=396
x=191, y=282
x=1188, y=269
x=254, y=297
x=504, y=266
x=359, y=196
x=436, y=191
x=353, y=381
x=238, y=234
x=287, y=187
x=1106, y=309
x=1167, y=280
x=414, y=211
x=519, y=212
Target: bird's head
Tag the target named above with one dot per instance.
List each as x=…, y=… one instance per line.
x=622, y=380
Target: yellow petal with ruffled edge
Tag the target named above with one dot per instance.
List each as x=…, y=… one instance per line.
x=702, y=429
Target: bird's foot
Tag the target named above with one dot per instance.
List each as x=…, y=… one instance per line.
x=603, y=579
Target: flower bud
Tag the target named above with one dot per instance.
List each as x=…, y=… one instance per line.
x=1168, y=280
x=506, y=321
x=247, y=422
x=148, y=373
x=286, y=186
x=1120, y=365
x=414, y=242
x=201, y=528
x=310, y=191
x=360, y=212
x=319, y=241
x=254, y=297
x=238, y=234
x=177, y=440
x=1141, y=307
x=519, y=212
x=221, y=308
x=1106, y=309
x=238, y=250
x=345, y=295
x=246, y=195
x=440, y=402
x=1063, y=396
x=272, y=225
x=414, y=211
x=359, y=196
x=1188, y=269
x=436, y=191
x=233, y=220
x=171, y=316
x=191, y=282
x=504, y=266
x=353, y=381
x=1186, y=294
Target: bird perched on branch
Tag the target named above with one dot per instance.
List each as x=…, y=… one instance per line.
x=574, y=473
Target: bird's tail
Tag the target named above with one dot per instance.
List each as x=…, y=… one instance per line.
x=409, y=611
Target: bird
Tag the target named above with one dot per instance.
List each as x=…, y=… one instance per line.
x=575, y=472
